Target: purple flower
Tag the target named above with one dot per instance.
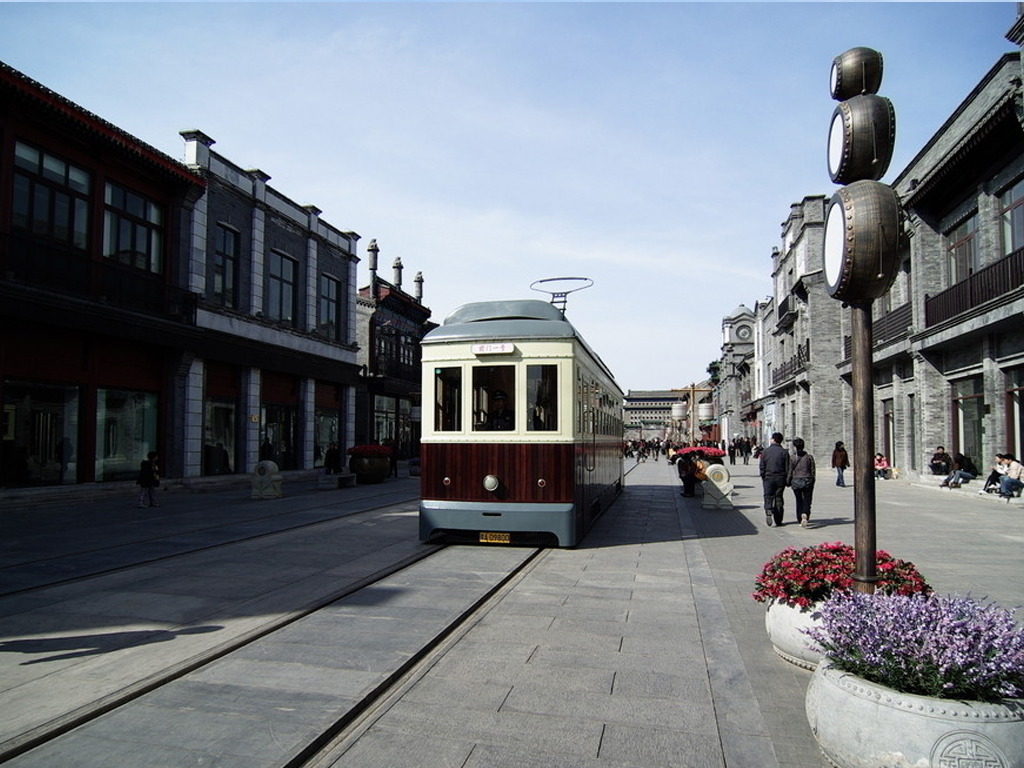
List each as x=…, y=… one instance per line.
x=950, y=647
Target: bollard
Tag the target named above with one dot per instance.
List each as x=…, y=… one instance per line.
x=266, y=481
x=717, y=488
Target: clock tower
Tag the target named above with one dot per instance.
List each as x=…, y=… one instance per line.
x=738, y=329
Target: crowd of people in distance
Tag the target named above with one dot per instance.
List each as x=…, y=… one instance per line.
x=781, y=468
x=740, y=448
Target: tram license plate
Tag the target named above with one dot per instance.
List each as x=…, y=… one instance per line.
x=495, y=538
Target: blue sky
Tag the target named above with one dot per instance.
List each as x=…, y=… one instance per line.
x=655, y=148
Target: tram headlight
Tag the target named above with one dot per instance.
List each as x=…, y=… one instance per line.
x=491, y=483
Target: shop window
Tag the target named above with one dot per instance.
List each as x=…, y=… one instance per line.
x=277, y=436
x=385, y=413
x=968, y=413
x=133, y=229
x=219, y=437
x=448, y=399
x=494, y=398
x=542, y=397
x=39, y=434
x=126, y=425
x=326, y=429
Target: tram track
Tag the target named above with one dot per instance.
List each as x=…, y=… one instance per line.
x=36, y=746
x=330, y=746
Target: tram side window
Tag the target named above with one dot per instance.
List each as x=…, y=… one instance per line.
x=494, y=398
x=542, y=397
x=447, y=399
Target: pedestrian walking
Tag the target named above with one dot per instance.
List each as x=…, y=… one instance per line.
x=148, y=480
x=840, y=461
x=773, y=466
x=801, y=480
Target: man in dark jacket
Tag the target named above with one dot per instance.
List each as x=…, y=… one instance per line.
x=774, y=471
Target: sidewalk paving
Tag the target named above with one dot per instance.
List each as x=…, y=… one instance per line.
x=642, y=646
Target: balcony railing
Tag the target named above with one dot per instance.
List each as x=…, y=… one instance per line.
x=75, y=274
x=988, y=283
x=797, y=363
x=886, y=329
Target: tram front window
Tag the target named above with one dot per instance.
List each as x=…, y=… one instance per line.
x=542, y=397
x=447, y=399
x=494, y=398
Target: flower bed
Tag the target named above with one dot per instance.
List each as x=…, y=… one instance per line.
x=802, y=577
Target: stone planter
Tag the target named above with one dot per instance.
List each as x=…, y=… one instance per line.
x=784, y=624
x=859, y=724
x=370, y=469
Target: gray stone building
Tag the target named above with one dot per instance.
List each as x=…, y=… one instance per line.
x=784, y=379
x=949, y=355
x=805, y=336
x=948, y=338
x=273, y=374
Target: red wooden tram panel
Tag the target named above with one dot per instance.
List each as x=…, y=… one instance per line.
x=517, y=465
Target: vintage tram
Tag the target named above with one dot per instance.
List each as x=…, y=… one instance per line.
x=522, y=427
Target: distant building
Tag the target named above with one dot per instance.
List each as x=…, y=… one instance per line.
x=665, y=414
x=731, y=390
x=391, y=324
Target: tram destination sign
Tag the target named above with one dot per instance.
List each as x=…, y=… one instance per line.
x=503, y=348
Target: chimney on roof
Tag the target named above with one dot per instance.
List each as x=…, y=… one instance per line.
x=419, y=287
x=371, y=252
x=398, y=272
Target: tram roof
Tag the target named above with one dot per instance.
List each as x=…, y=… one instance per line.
x=522, y=319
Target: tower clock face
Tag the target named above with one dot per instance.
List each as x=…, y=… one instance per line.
x=743, y=333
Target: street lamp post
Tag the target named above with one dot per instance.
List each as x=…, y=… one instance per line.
x=860, y=257
x=863, y=439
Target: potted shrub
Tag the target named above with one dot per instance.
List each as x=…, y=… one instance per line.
x=369, y=463
x=935, y=680
x=796, y=580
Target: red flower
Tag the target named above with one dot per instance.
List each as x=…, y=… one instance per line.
x=369, y=450
x=801, y=577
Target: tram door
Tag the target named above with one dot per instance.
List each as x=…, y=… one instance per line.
x=587, y=452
